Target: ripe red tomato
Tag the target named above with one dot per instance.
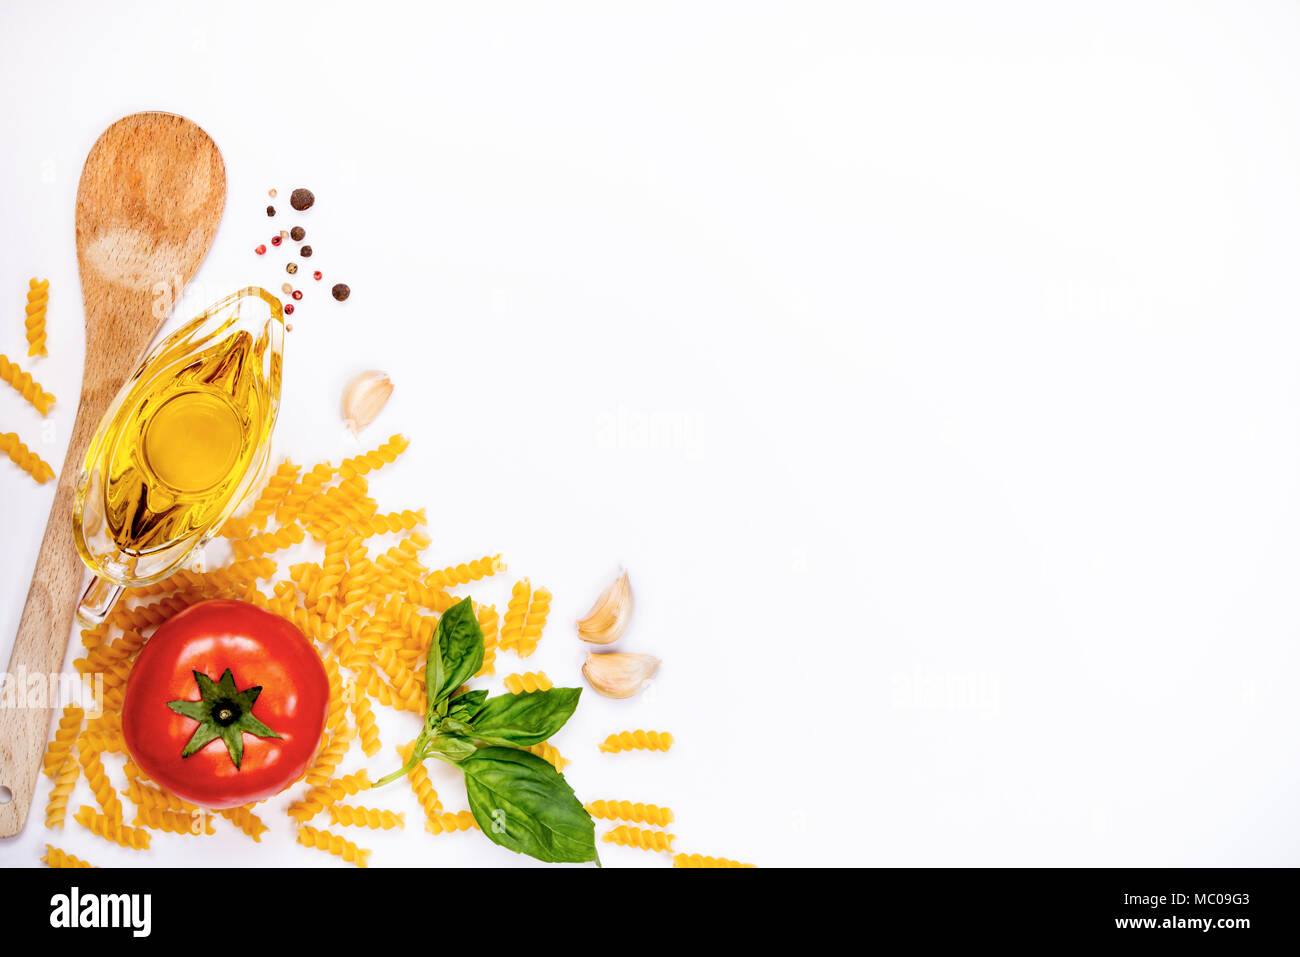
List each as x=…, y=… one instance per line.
x=225, y=705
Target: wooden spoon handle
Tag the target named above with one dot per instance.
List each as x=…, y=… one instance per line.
x=43, y=634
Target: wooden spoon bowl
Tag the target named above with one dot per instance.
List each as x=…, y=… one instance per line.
x=150, y=198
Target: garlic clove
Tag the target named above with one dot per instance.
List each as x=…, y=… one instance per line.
x=608, y=618
x=364, y=397
x=618, y=674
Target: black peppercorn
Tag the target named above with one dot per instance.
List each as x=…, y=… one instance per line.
x=298, y=234
x=305, y=252
x=270, y=210
x=301, y=199
x=341, y=292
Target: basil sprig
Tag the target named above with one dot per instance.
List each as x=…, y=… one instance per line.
x=519, y=800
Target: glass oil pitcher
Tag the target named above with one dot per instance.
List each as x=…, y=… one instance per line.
x=185, y=439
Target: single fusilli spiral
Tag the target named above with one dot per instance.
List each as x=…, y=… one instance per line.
x=351, y=815
x=256, y=545
x=57, y=858
x=102, y=742
x=248, y=822
x=627, y=811
x=146, y=797
x=699, y=860
x=463, y=574
x=640, y=837
x=367, y=729
x=637, y=741
x=390, y=522
x=133, y=838
x=375, y=459
x=228, y=579
x=319, y=798
x=538, y=609
x=418, y=778
x=334, y=844
x=333, y=568
x=100, y=785
x=490, y=622
x=432, y=599
x=147, y=616
x=445, y=822
x=38, y=296
x=528, y=681
x=57, y=753
x=322, y=769
x=512, y=625
x=551, y=755
x=195, y=823
x=25, y=458
x=56, y=808
x=25, y=385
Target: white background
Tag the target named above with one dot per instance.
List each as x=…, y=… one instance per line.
x=931, y=366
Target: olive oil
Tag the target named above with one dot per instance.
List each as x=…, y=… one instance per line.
x=185, y=439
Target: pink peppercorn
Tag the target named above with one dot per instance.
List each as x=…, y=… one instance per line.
x=317, y=274
x=275, y=240
x=260, y=250
x=297, y=294
x=288, y=309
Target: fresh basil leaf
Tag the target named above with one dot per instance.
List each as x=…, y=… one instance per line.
x=450, y=725
x=433, y=673
x=523, y=803
x=459, y=638
x=453, y=746
x=465, y=706
x=522, y=720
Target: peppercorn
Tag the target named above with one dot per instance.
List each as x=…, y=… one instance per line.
x=305, y=252
x=286, y=289
x=298, y=234
x=340, y=291
x=297, y=294
x=317, y=275
x=301, y=199
x=275, y=240
x=288, y=309
x=270, y=210
x=291, y=268
x=260, y=250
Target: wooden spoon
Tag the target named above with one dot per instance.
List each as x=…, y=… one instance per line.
x=150, y=198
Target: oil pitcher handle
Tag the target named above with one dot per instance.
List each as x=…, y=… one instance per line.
x=99, y=598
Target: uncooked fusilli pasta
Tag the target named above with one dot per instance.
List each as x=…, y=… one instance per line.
x=443, y=823
x=640, y=837
x=56, y=808
x=627, y=811
x=637, y=741
x=25, y=458
x=114, y=831
x=248, y=822
x=375, y=459
x=528, y=681
x=25, y=385
x=38, y=295
x=699, y=860
x=334, y=844
x=351, y=815
x=56, y=755
x=57, y=858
